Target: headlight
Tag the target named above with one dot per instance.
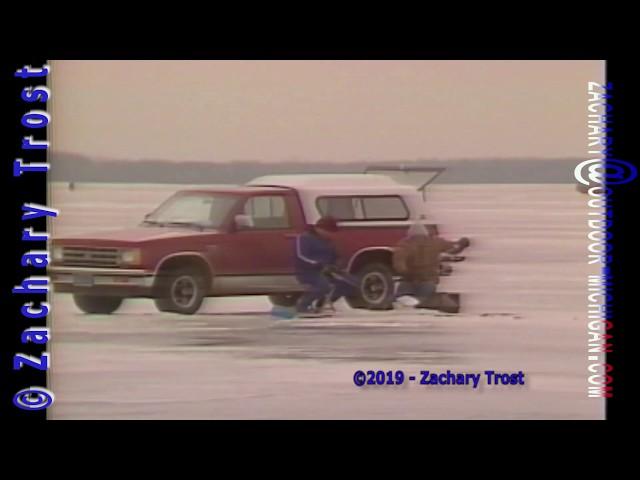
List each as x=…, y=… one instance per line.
x=130, y=257
x=57, y=254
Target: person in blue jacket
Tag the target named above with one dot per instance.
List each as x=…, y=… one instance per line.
x=315, y=263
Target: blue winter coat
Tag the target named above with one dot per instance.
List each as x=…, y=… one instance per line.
x=313, y=252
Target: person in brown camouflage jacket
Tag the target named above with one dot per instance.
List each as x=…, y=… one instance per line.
x=416, y=258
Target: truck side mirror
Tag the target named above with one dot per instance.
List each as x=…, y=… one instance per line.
x=243, y=222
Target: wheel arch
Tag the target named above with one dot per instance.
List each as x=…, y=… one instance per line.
x=184, y=260
x=369, y=255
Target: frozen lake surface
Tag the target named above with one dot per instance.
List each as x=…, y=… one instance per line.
x=523, y=290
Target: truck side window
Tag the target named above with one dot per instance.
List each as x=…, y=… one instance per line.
x=342, y=208
x=373, y=207
x=384, y=208
x=268, y=212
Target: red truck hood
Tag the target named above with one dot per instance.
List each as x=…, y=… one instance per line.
x=131, y=235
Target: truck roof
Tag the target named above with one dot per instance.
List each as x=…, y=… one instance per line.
x=323, y=180
x=353, y=182
x=233, y=189
x=317, y=184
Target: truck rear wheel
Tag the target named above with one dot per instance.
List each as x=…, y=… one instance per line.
x=97, y=304
x=285, y=299
x=376, y=290
x=181, y=291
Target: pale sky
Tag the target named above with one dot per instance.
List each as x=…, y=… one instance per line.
x=334, y=111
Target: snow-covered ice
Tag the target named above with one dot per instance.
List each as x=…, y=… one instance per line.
x=523, y=288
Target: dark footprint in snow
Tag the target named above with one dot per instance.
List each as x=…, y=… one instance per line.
x=500, y=314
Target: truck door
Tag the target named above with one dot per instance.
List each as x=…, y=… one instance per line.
x=265, y=246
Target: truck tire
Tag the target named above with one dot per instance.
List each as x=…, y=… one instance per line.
x=97, y=304
x=377, y=289
x=181, y=291
x=285, y=299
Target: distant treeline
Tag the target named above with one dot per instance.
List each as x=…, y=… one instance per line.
x=78, y=168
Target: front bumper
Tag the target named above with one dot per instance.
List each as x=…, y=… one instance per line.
x=102, y=281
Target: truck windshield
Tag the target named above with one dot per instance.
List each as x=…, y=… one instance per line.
x=199, y=210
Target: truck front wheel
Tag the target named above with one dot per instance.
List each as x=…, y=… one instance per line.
x=97, y=304
x=376, y=291
x=181, y=291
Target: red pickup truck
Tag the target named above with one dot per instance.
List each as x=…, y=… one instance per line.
x=240, y=240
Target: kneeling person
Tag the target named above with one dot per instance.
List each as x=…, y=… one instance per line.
x=417, y=259
x=315, y=260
